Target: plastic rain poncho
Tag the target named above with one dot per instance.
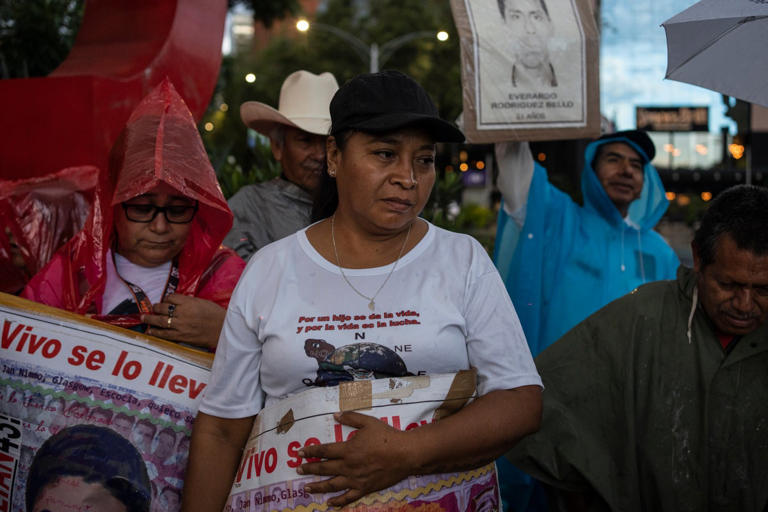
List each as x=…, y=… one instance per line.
x=38, y=216
x=568, y=261
x=160, y=143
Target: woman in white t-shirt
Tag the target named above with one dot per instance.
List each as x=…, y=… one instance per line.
x=432, y=303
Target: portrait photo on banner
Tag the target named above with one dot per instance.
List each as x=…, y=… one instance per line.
x=529, y=69
x=531, y=62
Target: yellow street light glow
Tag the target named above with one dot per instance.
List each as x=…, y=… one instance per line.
x=302, y=25
x=701, y=149
x=250, y=78
x=463, y=167
x=669, y=148
x=463, y=156
x=736, y=150
x=541, y=157
x=671, y=196
x=675, y=152
x=480, y=165
x=706, y=196
x=442, y=35
x=683, y=200
x=223, y=107
x=208, y=126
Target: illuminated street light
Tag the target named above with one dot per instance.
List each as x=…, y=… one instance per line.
x=250, y=78
x=373, y=54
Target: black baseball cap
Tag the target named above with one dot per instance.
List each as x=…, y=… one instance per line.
x=638, y=137
x=386, y=101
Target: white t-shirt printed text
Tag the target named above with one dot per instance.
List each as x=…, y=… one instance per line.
x=294, y=322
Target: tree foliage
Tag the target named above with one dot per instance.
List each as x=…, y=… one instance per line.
x=35, y=36
x=433, y=64
x=268, y=11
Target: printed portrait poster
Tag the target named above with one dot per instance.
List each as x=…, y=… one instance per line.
x=80, y=397
x=266, y=479
x=529, y=69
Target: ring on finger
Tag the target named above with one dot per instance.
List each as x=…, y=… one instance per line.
x=171, y=310
x=170, y=319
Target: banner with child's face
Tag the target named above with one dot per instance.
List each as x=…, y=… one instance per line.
x=90, y=415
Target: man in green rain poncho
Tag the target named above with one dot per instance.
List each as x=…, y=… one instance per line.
x=659, y=401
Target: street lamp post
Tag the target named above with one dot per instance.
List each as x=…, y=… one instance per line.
x=374, y=54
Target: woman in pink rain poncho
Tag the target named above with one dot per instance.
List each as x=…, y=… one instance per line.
x=150, y=255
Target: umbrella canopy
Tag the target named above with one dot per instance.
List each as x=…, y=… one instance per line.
x=721, y=45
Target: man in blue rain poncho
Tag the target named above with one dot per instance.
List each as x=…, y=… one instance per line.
x=561, y=262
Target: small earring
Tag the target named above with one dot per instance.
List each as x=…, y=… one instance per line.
x=332, y=173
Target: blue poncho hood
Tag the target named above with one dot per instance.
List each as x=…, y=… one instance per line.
x=645, y=212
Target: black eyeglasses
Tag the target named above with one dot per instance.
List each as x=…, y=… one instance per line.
x=174, y=214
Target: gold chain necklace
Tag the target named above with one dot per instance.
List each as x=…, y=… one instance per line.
x=372, y=300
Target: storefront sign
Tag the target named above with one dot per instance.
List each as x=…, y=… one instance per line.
x=673, y=119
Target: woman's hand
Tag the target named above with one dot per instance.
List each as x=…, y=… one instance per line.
x=378, y=456
x=374, y=458
x=194, y=321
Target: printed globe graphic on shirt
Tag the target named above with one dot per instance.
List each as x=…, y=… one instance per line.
x=358, y=361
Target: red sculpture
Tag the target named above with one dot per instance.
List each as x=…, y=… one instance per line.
x=123, y=49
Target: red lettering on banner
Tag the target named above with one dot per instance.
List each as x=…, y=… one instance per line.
x=293, y=453
x=120, y=362
x=178, y=384
x=156, y=373
x=94, y=361
x=255, y=461
x=77, y=358
x=9, y=337
x=271, y=456
x=309, y=442
x=395, y=421
x=175, y=383
x=6, y=480
x=48, y=348
x=338, y=436
x=246, y=462
x=166, y=375
x=195, y=388
x=263, y=459
x=130, y=370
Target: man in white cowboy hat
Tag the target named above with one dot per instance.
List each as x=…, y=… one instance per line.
x=297, y=130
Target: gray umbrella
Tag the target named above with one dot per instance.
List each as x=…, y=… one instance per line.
x=721, y=45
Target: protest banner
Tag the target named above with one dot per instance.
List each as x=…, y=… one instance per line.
x=266, y=478
x=60, y=370
x=529, y=69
